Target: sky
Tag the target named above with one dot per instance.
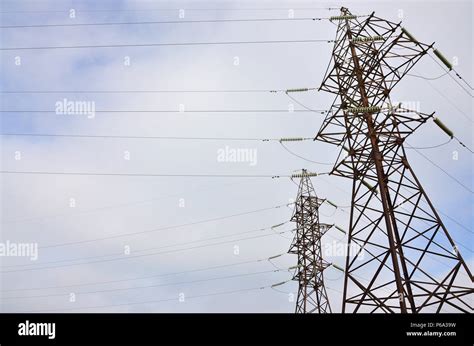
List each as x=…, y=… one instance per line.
x=197, y=242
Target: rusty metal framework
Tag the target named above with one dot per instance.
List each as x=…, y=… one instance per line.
x=405, y=261
x=312, y=295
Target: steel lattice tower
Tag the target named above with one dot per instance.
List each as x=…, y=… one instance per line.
x=312, y=295
x=407, y=261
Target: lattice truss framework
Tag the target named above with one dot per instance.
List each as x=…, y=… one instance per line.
x=405, y=260
x=312, y=295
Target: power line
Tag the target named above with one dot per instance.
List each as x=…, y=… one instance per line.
x=451, y=76
x=139, y=91
x=211, y=111
x=463, y=145
x=304, y=158
x=138, y=256
x=166, y=246
x=161, y=300
x=106, y=207
x=110, y=206
x=449, y=101
x=301, y=104
x=462, y=79
x=149, y=286
x=278, y=269
x=427, y=78
x=164, y=22
x=450, y=68
x=156, y=91
x=455, y=221
x=433, y=146
x=146, y=174
x=166, y=227
x=144, y=250
x=93, y=210
x=154, y=175
x=166, y=175
x=442, y=169
x=165, y=44
x=137, y=278
x=144, y=137
x=170, y=9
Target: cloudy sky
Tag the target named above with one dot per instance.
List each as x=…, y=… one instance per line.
x=185, y=243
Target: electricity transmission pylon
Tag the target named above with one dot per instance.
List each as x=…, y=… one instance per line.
x=312, y=295
x=406, y=260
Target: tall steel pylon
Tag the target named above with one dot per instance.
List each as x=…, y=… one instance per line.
x=312, y=295
x=406, y=260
